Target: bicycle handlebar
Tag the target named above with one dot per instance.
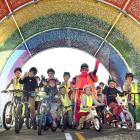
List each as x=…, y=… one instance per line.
x=12, y=91
x=65, y=106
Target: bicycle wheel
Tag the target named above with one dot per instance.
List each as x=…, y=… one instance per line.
x=40, y=108
x=97, y=124
x=107, y=119
x=53, y=128
x=7, y=115
x=63, y=124
x=18, y=119
x=129, y=120
x=40, y=121
x=28, y=123
x=28, y=120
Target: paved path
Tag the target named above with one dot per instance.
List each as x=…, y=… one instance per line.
x=105, y=134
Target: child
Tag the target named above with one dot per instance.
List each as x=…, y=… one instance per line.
x=51, y=88
x=100, y=95
x=111, y=93
x=15, y=81
x=102, y=85
x=87, y=101
x=127, y=88
x=30, y=85
x=52, y=91
x=66, y=103
x=51, y=75
x=66, y=83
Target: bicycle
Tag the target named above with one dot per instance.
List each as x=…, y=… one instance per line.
x=45, y=118
x=115, y=120
x=64, y=118
x=9, y=110
x=19, y=111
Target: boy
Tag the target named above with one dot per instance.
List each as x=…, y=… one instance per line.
x=87, y=101
x=51, y=75
x=31, y=87
x=66, y=83
x=51, y=88
x=100, y=95
x=111, y=92
x=66, y=103
x=127, y=88
x=15, y=81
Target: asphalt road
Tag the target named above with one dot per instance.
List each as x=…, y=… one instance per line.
x=87, y=134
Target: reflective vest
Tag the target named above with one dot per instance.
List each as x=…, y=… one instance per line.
x=17, y=86
x=67, y=86
x=66, y=101
x=88, y=101
x=89, y=82
x=134, y=89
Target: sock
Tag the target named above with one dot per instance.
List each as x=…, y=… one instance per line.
x=122, y=117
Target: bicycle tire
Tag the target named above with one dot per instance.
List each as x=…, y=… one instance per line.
x=99, y=124
x=132, y=125
x=18, y=119
x=4, y=113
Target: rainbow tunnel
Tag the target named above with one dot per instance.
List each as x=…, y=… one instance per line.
x=107, y=29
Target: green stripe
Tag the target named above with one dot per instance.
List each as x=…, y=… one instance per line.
x=79, y=21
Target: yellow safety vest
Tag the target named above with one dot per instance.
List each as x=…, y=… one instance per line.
x=89, y=102
x=134, y=89
x=66, y=101
x=17, y=86
x=67, y=86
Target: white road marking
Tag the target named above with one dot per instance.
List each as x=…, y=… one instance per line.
x=138, y=126
x=68, y=136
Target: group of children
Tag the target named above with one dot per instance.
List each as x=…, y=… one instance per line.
x=68, y=95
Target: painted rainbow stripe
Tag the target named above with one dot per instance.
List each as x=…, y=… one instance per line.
x=68, y=37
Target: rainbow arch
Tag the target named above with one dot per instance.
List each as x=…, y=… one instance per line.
x=71, y=23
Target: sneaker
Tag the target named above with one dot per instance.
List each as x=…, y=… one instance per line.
x=123, y=123
x=80, y=127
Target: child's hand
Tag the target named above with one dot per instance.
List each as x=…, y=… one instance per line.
x=26, y=74
x=44, y=83
x=42, y=77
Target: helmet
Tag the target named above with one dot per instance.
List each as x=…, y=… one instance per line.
x=86, y=86
x=84, y=65
x=98, y=87
x=51, y=79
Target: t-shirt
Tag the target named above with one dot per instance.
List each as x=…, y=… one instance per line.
x=111, y=94
x=127, y=88
x=29, y=84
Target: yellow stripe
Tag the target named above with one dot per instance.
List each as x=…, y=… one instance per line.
x=3, y=58
x=46, y=7
x=79, y=136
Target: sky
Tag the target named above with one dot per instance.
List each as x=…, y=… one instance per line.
x=64, y=60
